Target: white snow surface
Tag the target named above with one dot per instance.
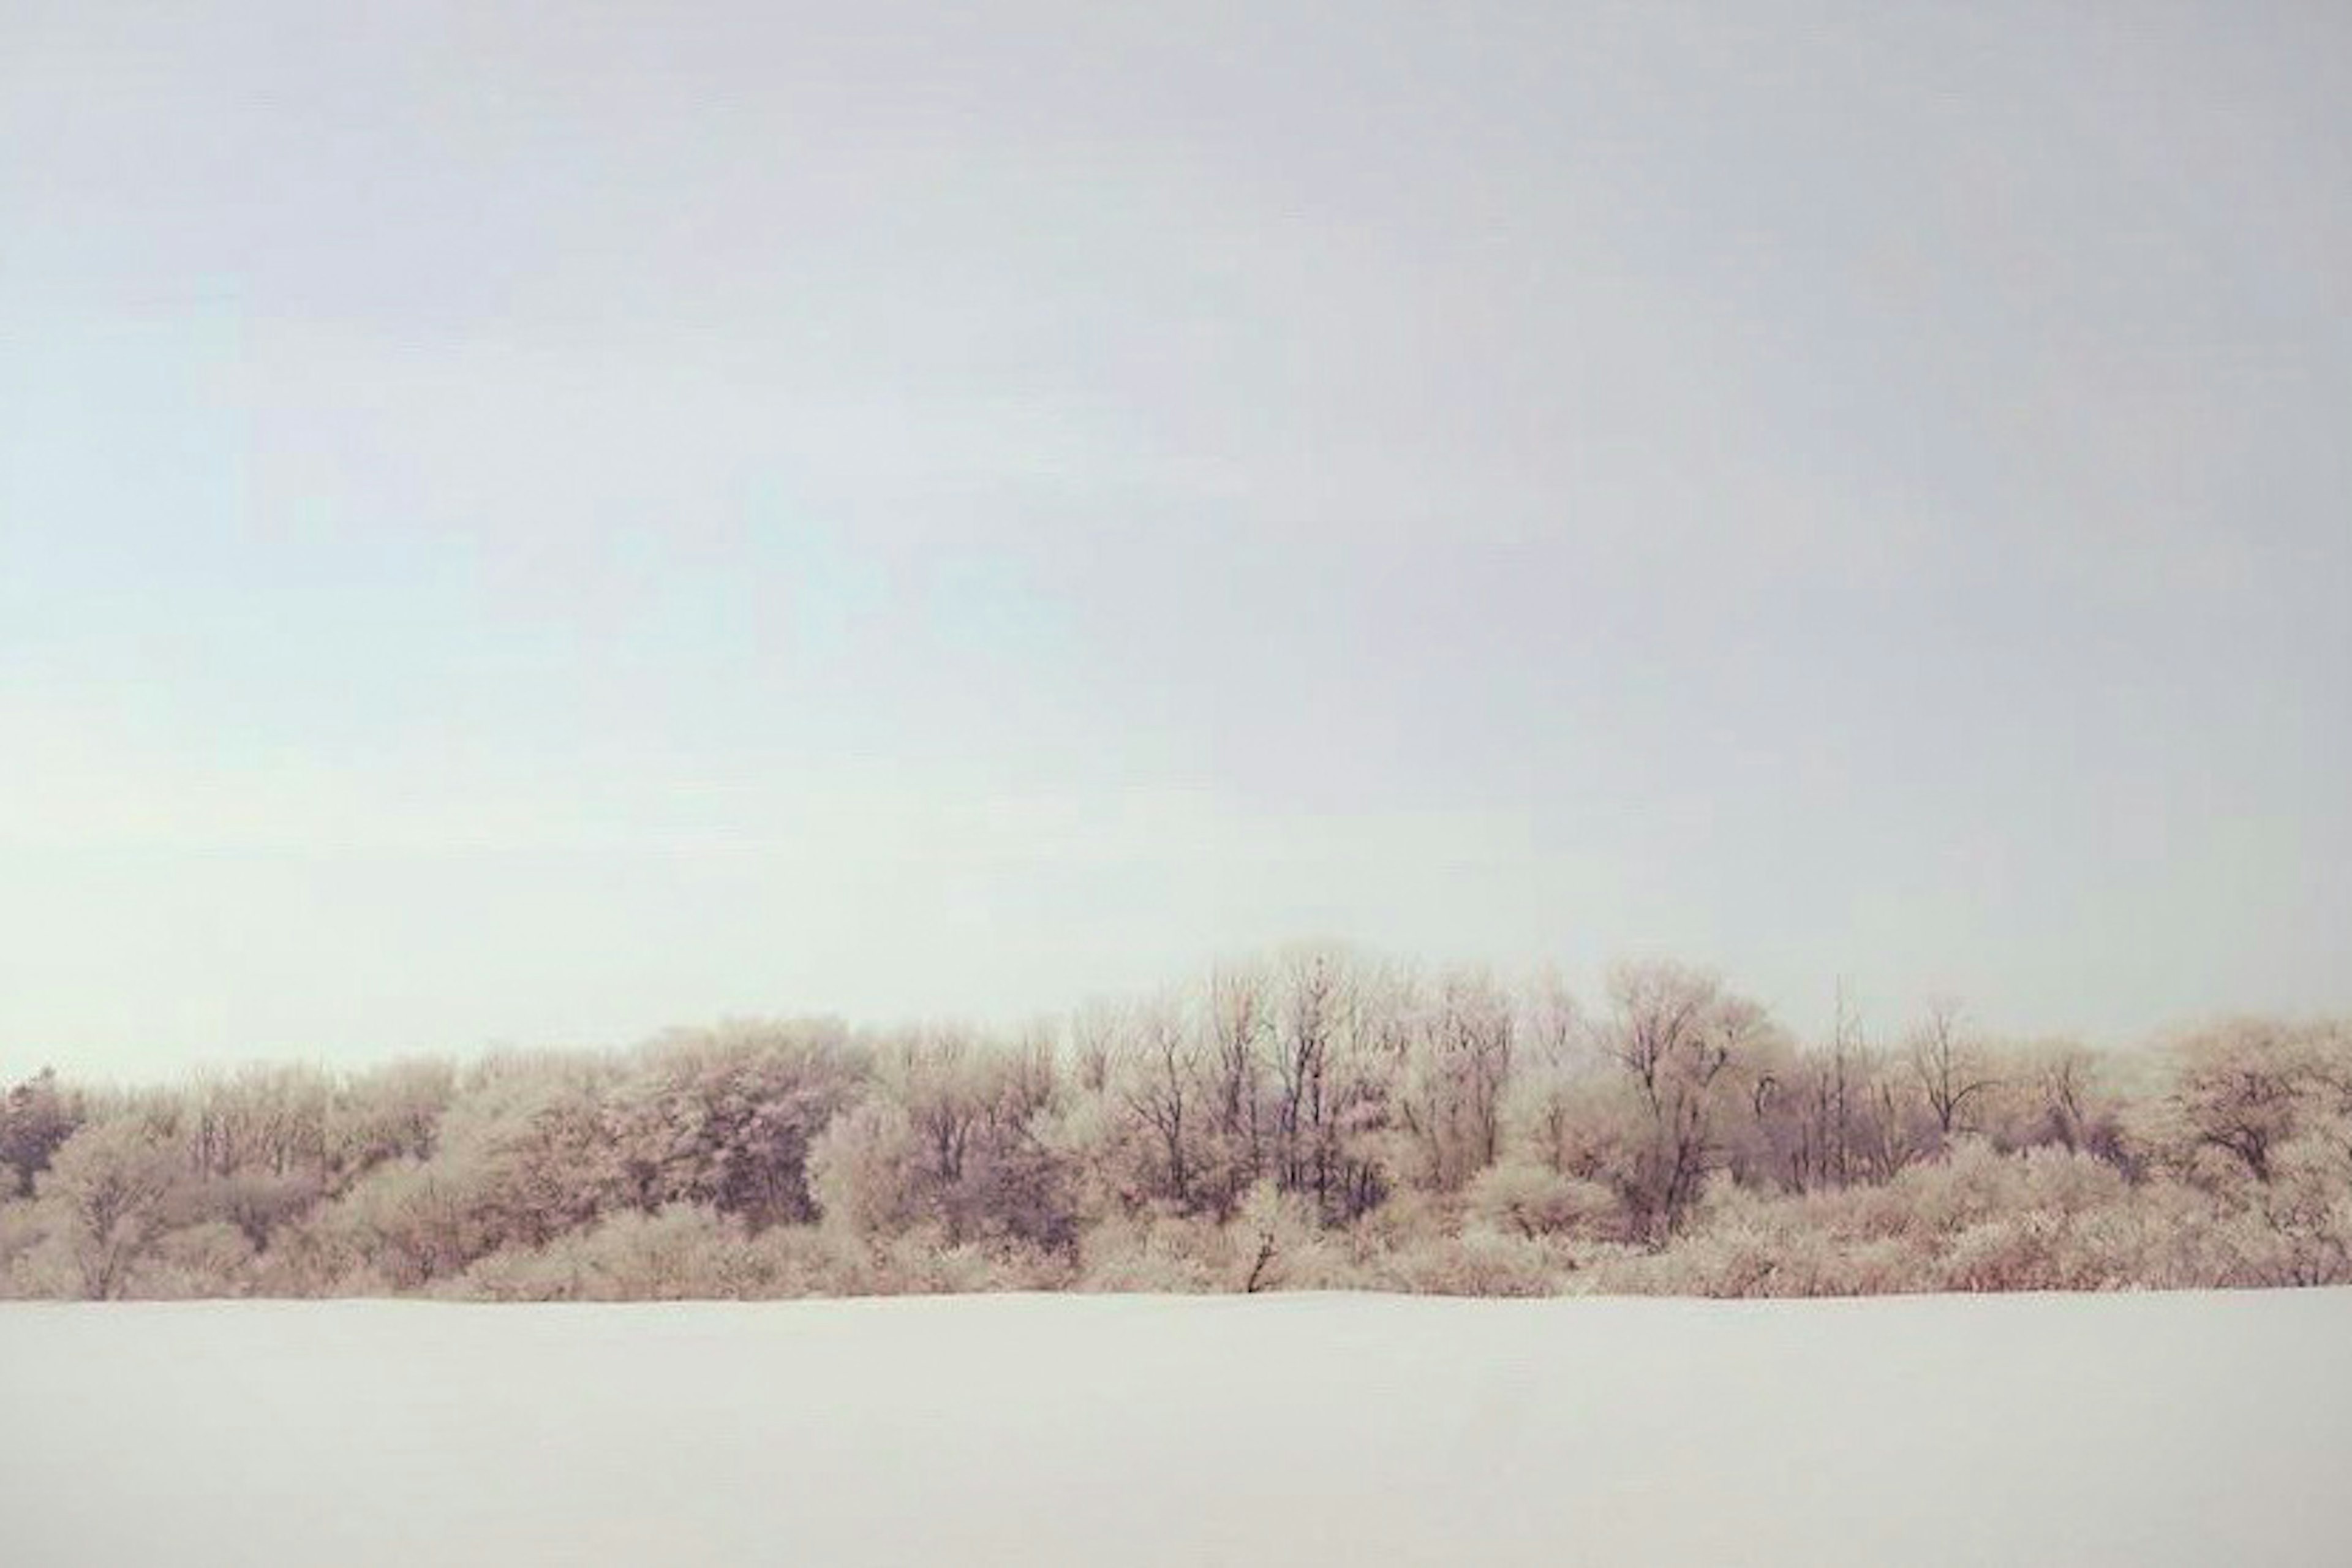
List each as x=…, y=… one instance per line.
x=1281, y=1430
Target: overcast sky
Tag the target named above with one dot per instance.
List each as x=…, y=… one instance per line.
x=526, y=523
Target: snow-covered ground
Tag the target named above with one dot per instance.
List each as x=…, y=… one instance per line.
x=1286, y=1430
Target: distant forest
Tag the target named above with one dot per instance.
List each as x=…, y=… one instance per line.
x=1318, y=1119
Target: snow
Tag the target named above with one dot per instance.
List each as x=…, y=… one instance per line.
x=1286, y=1430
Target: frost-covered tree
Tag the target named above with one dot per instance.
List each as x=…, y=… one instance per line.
x=1161, y=1078
x=1452, y=1088
x=726, y=1118
x=107, y=1190
x=2240, y=1090
x=1948, y=1066
x=37, y=1117
x=1684, y=1047
x=392, y=1112
x=960, y=1138
x=865, y=1170
x=1239, y=1031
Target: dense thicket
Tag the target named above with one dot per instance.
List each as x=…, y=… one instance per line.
x=1316, y=1121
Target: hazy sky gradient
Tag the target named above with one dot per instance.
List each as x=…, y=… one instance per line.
x=537, y=524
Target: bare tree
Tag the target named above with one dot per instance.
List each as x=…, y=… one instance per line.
x=1948, y=1067
x=1557, y=1056
x=1162, y=1087
x=1313, y=998
x=1451, y=1100
x=1846, y=1042
x=941, y=1084
x=1855, y=1122
x=111, y=1180
x=2244, y=1089
x=1240, y=1024
x=1553, y=1027
x=270, y=1120
x=1678, y=1037
x=1373, y=1052
x=1886, y=1143
x=1094, y=1045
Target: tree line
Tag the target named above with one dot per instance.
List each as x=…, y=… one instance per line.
x=1318, y=1118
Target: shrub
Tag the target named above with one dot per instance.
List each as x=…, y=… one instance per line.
x=1530, y=1200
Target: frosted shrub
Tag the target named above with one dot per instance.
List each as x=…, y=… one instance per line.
x=213, y=1258
x=1970, y=1184
x=1740, y=1259
x=1478, y=1262
x=1868, y=1267
x=1168, y=1256
x=862, y=1170
x=2016, y=1252
x=321, y=1254
x=2307, y=1208
x=407, y=1221
x=681, y=1252
x=45, y=1272
x=925, y=1264
x=21, y=1233
x=2067, y=1182
x=1531, y=1200
x=1280, y=1246
x=1741, y=1246
x=1149, y=1273
x=552, y=1273
x=816, y=1260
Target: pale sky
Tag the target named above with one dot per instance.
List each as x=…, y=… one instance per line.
x=539, y=523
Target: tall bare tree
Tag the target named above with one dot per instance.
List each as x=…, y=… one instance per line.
x=1947, y=1065
x=1682, y=1041
x=1240, y=1025
x=1313, y=996
x=1451, y=1100
x=1162, y=1087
